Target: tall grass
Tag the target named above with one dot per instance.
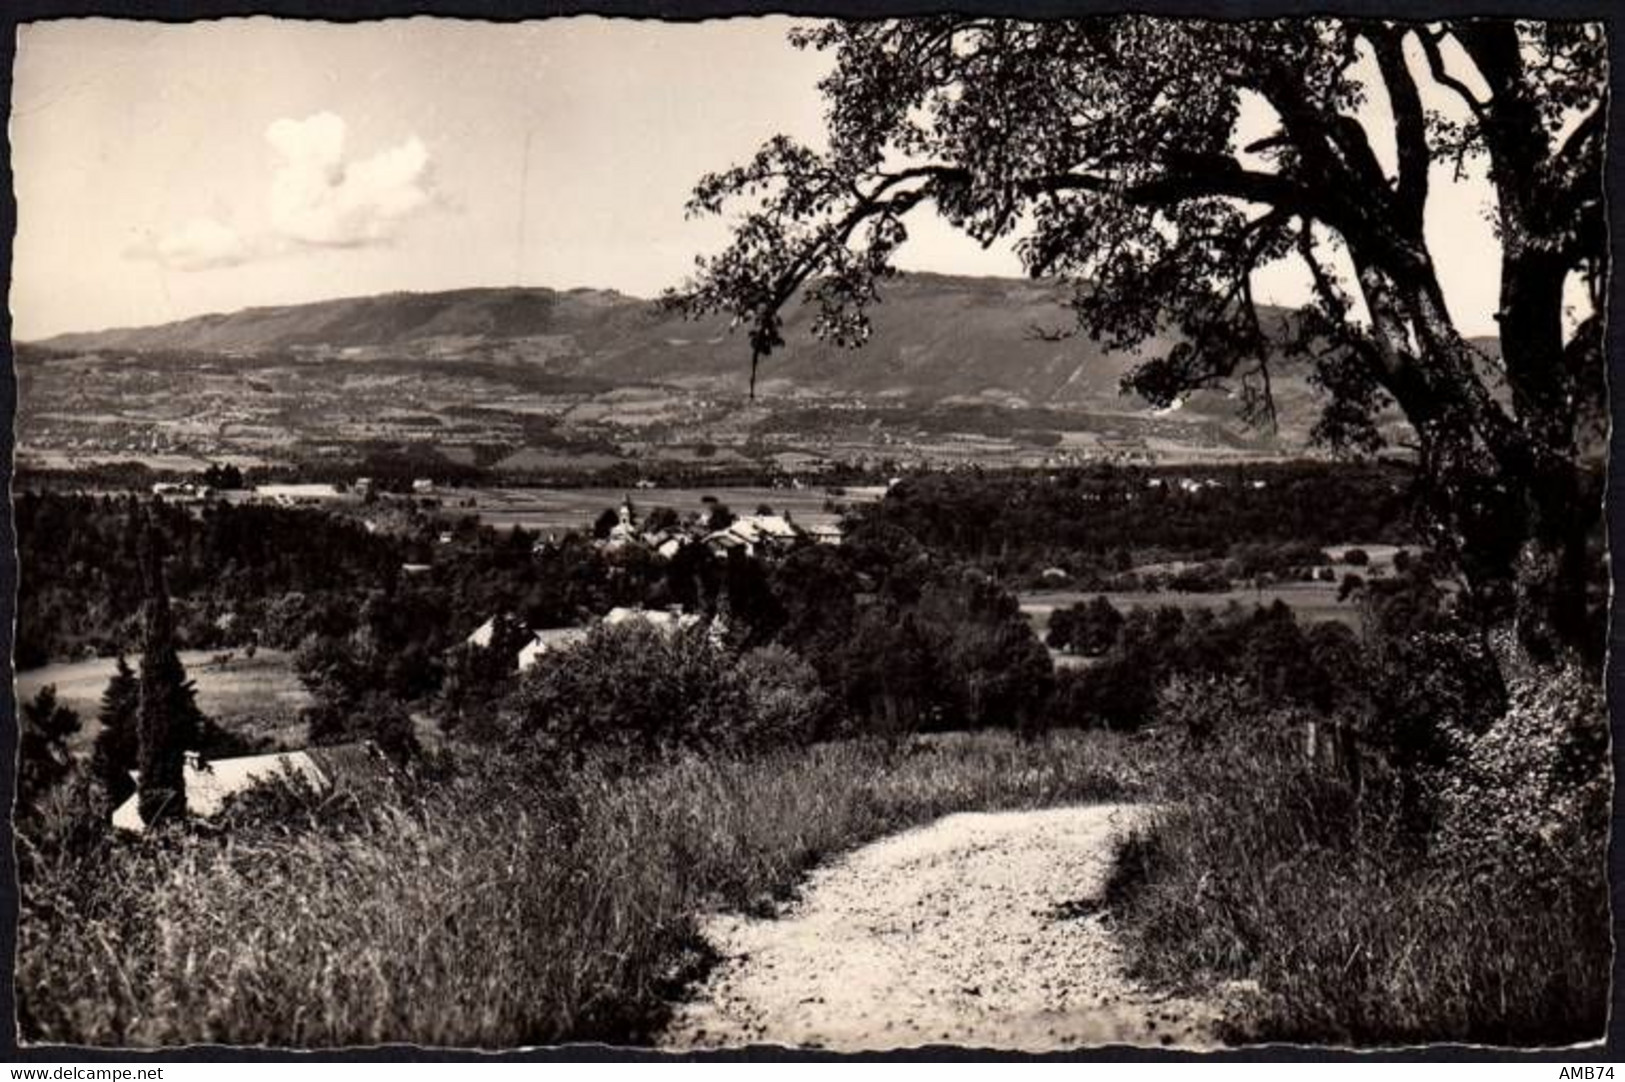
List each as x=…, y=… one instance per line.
x=490, y=911
x=1355, y=930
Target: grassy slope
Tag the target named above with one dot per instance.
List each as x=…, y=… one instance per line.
x=1269, y=872
x=489, y=915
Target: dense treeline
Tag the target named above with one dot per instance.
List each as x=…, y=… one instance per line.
x=80, y=590
x=900, y=639
x=1417, y=664
x=1102, y=520
x=877, y=636
x=274, y=575
x=392, y=467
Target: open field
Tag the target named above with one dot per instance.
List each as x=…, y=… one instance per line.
x=557, y=509
x=1311, y=602
x=258, y=697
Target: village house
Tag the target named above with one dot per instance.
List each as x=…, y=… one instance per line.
x=668, y=543
x=209, y=784
x=825, y=533
x=182, y=492
x=298, y=495
x=755, y=534
x=547, y=640
x=666, y=621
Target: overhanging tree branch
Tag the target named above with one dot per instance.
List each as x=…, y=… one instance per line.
x=1441, y=73
x=1410, y=123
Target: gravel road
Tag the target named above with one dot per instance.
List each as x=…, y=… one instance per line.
x=978, y=930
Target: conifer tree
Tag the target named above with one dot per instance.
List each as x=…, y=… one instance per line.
x=43, y=760
x=167, y=710
x=117, y=747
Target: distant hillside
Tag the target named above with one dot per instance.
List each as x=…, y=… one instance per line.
x=936, y=339
x=385, y=320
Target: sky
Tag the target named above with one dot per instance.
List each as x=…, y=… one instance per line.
x=164, y=171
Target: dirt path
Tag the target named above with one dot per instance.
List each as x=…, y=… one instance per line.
x=979, y=930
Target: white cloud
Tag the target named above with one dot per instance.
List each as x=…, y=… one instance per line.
x=317, y=199
x=199, y=244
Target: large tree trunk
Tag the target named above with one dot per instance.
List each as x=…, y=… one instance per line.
x=1550, y=613
x=1548, y=390
x=1505, y=490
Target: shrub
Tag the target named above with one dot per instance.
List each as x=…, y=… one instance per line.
x=1354, y=928
x=629, y=692
x=906, y=643
x=43, y=760
x=1087, y=627
x=1263, y=647
x=1208, y=578
x=1202, y=709
x=68, y=822
x=785, y=703
x=1428, y=690
x=633, y=693
x=1529, y=797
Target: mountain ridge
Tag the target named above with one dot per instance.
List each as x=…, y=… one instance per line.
x=937, y=339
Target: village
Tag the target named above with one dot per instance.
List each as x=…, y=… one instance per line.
x=621, y=532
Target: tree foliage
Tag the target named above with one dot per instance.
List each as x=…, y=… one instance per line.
x=81, y=593
x=43, y=759
x=1115, y=148
x=633, y=694
x=1089, y=628
x=116, y=751
x=168, y=720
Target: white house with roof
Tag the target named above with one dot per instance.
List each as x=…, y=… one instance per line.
x=669, y=621
x=482, y=635
x=669, y=543
x=666, y=621
x=825, y=533
x=548, y=640
x=754, y=534
x=295, y=495
x=182, y=491
x=208, y=784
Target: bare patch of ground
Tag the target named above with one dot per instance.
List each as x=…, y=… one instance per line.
x=981, y=930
